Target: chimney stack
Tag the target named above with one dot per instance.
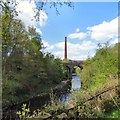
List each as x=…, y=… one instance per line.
x=65, y=52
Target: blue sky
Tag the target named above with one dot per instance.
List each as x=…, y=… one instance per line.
x=82, y=16
x=88, y=24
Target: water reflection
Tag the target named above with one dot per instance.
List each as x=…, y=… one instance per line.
x=75, y=86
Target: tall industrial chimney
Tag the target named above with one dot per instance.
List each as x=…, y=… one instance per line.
x=65, y=52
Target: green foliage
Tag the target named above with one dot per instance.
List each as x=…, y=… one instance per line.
x=25, y=113
x=25, y=69
x=54, y=105
x=113, y=114
x=77, y=70
x=101, y=68
x=54, y=68
x=99, y=107
x=65, y=60
x=98, y=74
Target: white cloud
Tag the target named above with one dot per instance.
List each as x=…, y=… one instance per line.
x=75, y=51
x=59, y=54
x=43, y=18
x=60, y=45
x=102, y=32
x=47, y=46
x=78, y=35
x=105, y=30
x=38, y=30
x=74, y=56
x=27, y=14
x=77, y=30
x=45, y=43
x=114, y=41
x=87, y=45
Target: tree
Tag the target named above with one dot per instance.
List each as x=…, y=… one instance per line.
x=25, y=67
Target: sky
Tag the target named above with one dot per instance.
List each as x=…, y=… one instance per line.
x=85, y=25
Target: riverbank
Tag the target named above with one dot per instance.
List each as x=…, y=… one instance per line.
x=93, y=102
x=92, y=107
x=36, y=102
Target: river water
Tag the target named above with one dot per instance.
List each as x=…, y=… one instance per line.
x=75, y=86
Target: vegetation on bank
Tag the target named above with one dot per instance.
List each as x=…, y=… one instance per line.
x=26, y=70
x=99, y=95
x=103, y=106
x=100, y=69
x=100, y=73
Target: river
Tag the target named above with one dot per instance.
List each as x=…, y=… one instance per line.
x=75, y=86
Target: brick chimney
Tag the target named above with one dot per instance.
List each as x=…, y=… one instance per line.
x=65, y=50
